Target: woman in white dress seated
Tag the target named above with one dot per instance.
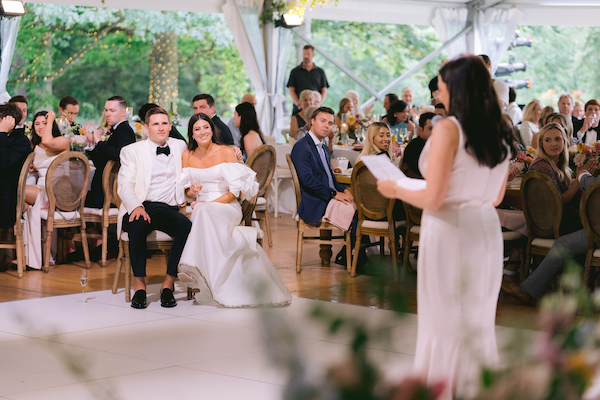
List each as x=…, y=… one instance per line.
x=221, y=258
x=47, y=143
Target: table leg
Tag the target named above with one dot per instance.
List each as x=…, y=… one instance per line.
x=325, y=252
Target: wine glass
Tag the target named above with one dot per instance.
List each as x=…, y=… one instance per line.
x=83, y=278
x=593, y=119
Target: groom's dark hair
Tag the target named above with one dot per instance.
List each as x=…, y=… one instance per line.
x=154, y=111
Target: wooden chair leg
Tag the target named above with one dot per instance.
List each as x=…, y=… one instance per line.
x=127, y=265
x=84, y=244
x=525, y=266
x=20, y=250
x=355, y=258
x=381, y=246
x=104, y=246
x=586, y=270
x=394, y=254
x=118, y=269
x=268, y=224
x=47, y=246
x=299, y=246
x=349, y=252
x=406, y=261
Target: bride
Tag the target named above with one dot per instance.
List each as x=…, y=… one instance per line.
x=221, y=258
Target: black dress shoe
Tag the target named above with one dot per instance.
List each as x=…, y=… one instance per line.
x=139, y=299
x=167, y=299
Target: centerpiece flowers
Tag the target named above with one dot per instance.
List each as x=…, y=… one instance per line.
x=582, y=153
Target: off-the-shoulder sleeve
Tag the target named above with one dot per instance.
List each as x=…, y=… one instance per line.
x=241, y=180
x=185, y=179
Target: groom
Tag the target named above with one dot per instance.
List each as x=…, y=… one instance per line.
x=150, y=193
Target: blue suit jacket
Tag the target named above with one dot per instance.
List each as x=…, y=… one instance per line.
x=314, y=184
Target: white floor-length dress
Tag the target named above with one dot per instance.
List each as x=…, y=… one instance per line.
x=459, y=276
x=230, y=268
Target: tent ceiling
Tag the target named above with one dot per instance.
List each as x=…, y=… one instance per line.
x=419, y=12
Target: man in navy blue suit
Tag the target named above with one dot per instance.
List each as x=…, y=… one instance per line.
x=311, y=159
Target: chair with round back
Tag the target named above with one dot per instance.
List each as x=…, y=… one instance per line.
x=589, y=209
x=67, y=182
x=413, y=229
x=374, y=215
x=263, y=161
x=543, y=208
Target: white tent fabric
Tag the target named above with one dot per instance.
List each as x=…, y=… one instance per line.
x=448, y=22
x=494, y=30
x=8, y=31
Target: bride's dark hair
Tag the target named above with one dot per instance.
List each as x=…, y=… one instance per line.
x=193, y=145
x=474, y=103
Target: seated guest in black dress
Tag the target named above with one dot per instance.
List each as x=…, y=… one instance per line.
x=205, y=104
x=14, y=149
x=121, y=134
x=21, y=102
x=413, y=150
x=174, y=133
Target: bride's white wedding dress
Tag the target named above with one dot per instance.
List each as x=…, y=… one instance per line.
x=229, y=267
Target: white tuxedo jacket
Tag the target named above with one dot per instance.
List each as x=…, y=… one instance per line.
x=136, y=171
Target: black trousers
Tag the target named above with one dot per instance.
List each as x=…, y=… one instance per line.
x=164, y=218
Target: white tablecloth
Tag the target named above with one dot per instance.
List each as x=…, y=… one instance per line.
x=346, y=152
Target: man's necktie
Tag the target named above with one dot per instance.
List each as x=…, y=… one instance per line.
x=163, y=150
x=321, y=148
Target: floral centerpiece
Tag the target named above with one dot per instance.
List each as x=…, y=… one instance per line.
x=77, y=142
x=582, y=153
x=521, y=163
x=356, y=124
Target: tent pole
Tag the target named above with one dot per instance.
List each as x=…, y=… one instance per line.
x=339, y=65
x=418, y=66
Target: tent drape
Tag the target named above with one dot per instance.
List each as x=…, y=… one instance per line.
x=448, y=22
x=9, y=28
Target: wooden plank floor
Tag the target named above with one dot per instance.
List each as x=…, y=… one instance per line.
x=315, y=282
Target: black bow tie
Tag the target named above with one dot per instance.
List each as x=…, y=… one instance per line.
x=163, y=150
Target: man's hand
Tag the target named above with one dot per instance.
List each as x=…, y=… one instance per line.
x=7, y=124
x=89, y=135
x=587, y=124
x=238, y=153
x=344, y=197
x=137, y=213
x=387, y=188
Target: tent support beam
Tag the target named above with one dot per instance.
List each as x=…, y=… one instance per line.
x=417, y=67
x=338, y=64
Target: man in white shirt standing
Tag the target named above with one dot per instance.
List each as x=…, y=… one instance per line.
x=151, y=195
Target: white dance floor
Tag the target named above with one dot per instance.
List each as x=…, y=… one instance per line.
x=60, y=348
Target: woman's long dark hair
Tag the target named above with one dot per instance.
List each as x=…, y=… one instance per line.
x=35, y=139
x=396, y=107
x=193, y=145
x=474, y=103
x=248, y=122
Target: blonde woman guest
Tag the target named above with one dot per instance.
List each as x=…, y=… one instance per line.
x=318, y=98
x=378, y=141
x=561, y=119
x=345, y=107
x=298, y=120
x=531, y=122
x=578, y=110
x=353, y=95
x=552, y=159
x=47, y=144
x=546, y=111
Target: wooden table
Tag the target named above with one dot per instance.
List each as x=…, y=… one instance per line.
x=512, y=196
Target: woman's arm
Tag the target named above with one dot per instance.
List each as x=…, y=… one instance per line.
x=502, y=191
x=526, y=134
x=60, y=143
x=444, y=145
x=568, y=194
x=293, y=126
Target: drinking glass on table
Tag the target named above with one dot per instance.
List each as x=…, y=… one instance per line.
x=83, y=278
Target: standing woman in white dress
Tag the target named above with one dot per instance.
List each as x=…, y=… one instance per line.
x=465, y=165
x=220, y=257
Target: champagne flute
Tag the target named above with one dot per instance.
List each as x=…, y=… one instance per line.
x=83, y=278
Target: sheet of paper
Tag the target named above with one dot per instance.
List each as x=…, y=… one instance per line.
x=383, y=169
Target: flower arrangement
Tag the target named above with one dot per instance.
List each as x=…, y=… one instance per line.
x=28, y=129
x=582, y=153
x=354, y=124
x=77, y=142
x=521, y=163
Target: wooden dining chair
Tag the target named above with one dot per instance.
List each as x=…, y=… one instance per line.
x=589, y=210
x=67, y=182
x=374, y=215
x=106, y=215
x=263, y=161
x=413, y=230
x=543, y=208
x=325, y=238
x=18, y=245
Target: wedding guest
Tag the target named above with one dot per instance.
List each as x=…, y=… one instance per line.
x=21, y=102
x=355, y=98
x=397, y=117
x=564, y=121
x=440, y=110
x=245, y=119
x=235, y=131
x=434, y=90
x=566, y=102
x=120, y=135
x=500, y=87
x=174, y=133
x=546, y=111
x=150, y=194
x=578, y=111
x=564, y=248
x=345, y=107
x=307, y=76
x=513, y=110
x=465, y=163
x=311, y=159
x=204, y=103
x=552, y=159
x=14, y=149
x=48, y=143
x=531, y=122
x=408, y=95
x=68, y=108
x=387, y=102
x=587, y=130
x=413, y=150
x=298, y=119
x=318, y=98
x=301, y=132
